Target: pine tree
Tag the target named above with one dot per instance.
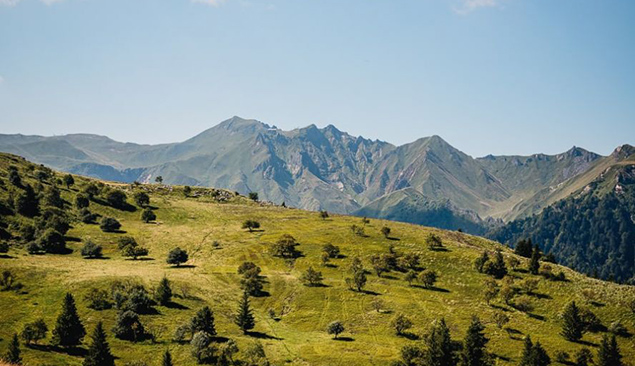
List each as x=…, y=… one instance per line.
x=69, y=330
x=525, y=359
x=203, y=321
x=534, y=263
x=99, y=351
x=244, y=318
x=539, y=356
x=572, y=326
x=13, y=354
x=609, y=352
x=474, y=353
x=167, y=359
x=163, y=294
x=439, y=346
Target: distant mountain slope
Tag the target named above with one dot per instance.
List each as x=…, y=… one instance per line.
x=324, y=168
x=409, y=205
x=592, y=230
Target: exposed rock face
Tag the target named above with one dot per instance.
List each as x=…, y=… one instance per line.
x=322, y=168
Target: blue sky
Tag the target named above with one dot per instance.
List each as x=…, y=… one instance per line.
x=489, y=76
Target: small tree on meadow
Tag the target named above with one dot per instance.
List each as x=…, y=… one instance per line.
x=491, y=290
x=109, y=225
x=534, y=263
x=13, y=353
x=203, y=321
x=148, y=215
x=163, y=293
x=91, y=250
x=385, y=231
x=609, y=352
x=324, y=215
x=141, y=199
x=410, y=277
x=474, y=353
x=434, y=241
x=158, y=179
x=335, y=328
x=253, y=196
x=311, y=277
x=69, y=329
x=177, y=256
x=69, y=181
x=438, y=345
x=167, y=359
x=99, y=350
x=428, y=278
x=244, y=317
x=128, y=326
x=572, y=324
x=33, y=332
x=251, y=225
x=134, y=252
x=81, y=201
x=524, y=248
x=332, y=250
x=401, y=324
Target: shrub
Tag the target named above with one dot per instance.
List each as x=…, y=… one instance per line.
x=33, y=332
x=434, y=241
x=385, y=231
x=86, y=216
x=253, y=196
x=116, y=198
x=285, y=247
x=324, y=215
x=401, y=324
x=428, y=278
x=91, y=250
x=141, y=199
x=128, y=326
x=134, y=252
x=148, y=215
x=52, y=241
x=4, y=247
x=109, y=225
x=332, y=250
x=251, y=225
x=98, y=299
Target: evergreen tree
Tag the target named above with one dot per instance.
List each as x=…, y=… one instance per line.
x=474, y=353
x=534, y=263
x=13, y=354
x=69, y=181
x=163, y=294
x=572, y=324
x=203, y=321
x=99, y=351
x=523, y=248
x=525, y=359
x=439, y=346
x=128, y=326
x=69, y=330
x=167, y=359
x=539, y=356
x=244, y=318
x=609, y=352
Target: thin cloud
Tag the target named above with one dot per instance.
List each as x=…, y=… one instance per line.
x=209, y=2
x=1, y=79
x=9, y=2
x=468, y=6
x=51, y=2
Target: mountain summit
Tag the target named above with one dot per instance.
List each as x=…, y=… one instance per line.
x=325, y=168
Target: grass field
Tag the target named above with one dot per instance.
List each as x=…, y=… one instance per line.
x=298, y=337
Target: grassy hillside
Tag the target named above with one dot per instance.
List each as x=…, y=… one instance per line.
x=297, y=336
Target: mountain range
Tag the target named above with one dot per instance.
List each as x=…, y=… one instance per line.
x=427, y=181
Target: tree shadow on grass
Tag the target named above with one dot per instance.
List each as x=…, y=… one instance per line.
x=318, y=285
x=72, y=238
x=6, y=256
x=140, y=259
x=369, y=292
x=389, y=277
x=441, y=249
x=71, y=351
x=344, y=339
x=174, y=305
x=432, y=288
x=597, y=304
x=96, y=258
x=262, y=293
x=410, y=336
x=392, y=238
x=182, y=266
x=499, y=307
x=541, y=296
x=261, y=335
x=536, y=316
x=587, y=343
x=501, y=357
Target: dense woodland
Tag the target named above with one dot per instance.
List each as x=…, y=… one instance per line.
x=593, y=233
